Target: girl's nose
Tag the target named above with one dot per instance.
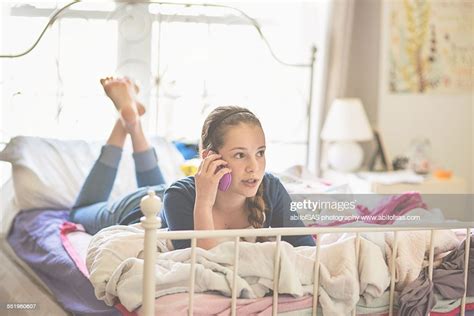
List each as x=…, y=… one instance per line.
x=252, y=166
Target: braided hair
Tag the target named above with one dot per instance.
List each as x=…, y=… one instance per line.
x=212, y=137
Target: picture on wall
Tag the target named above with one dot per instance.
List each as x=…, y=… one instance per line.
x=431, y=46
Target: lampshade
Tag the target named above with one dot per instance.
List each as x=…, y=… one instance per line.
x=346, y=121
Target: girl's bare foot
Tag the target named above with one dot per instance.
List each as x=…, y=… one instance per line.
x=122, y=92
x=110, y=84
x=140, y=107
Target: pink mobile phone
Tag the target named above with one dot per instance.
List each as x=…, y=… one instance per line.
x=225, y=181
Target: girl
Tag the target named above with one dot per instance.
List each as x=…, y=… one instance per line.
x=232, y=142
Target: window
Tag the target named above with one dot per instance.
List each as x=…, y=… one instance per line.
x=54, y=91
x=188, y=61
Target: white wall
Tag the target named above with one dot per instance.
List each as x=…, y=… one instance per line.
x=445, y=119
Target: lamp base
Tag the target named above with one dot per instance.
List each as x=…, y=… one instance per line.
x=345, y=156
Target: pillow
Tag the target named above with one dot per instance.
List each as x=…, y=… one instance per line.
x=48, y=173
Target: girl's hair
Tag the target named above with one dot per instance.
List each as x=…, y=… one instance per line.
x=212, y=138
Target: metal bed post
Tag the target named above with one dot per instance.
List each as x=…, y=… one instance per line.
x=316, y=275
x=193, y=276
x=392, y=272
x=276, y=275
x=467, y=248
x=357, y=251
x=150, y=206
x=234, y=276
x=431, y=257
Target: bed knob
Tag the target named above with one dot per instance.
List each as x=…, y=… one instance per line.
x=150, y=205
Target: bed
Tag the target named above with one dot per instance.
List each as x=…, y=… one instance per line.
x=53, y=267
x=46, y=253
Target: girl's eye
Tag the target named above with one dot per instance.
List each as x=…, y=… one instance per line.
x=239, y=155
x=261, y=153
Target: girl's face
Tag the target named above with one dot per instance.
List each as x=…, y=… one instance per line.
x=244, y=151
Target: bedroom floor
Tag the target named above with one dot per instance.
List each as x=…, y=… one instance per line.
x=18, y=288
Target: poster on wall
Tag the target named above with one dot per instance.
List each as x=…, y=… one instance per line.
x=431, y=46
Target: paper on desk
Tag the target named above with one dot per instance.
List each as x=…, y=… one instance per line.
x=392, y=177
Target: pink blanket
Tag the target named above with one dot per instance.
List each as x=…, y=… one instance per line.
x=393, y=205
x=397, y=205
x=210, y=304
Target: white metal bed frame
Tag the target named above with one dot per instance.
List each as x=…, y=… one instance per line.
x=151, y=205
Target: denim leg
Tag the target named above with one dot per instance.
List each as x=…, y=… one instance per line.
x=147, y=171
x=100, y=215
x=100, y=181
x=91, y=208
x=93, y=217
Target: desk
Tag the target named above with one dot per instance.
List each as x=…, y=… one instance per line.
x=429, y=185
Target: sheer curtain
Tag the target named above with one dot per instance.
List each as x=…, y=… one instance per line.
x=340, y=25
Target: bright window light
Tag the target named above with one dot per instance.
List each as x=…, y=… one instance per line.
x=201, y=57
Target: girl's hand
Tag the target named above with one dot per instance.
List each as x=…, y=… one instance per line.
x=207, y=179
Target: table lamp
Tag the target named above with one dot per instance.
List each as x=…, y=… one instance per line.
x=345, y=125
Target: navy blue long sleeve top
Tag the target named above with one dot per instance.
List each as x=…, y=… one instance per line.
x=178, y=209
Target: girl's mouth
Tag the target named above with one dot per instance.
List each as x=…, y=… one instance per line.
x=251, y=183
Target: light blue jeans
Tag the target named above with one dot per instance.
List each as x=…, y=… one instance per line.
x=92, y=208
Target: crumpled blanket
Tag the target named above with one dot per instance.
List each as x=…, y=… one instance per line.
x=418, y=297
x=393, y=205
x=411, y=251
x=115, y=263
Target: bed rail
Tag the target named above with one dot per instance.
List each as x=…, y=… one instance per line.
x=151, y=235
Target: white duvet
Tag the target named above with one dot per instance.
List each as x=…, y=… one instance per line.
x=115, y=263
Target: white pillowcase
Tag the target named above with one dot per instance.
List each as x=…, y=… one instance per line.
x=48, y=173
